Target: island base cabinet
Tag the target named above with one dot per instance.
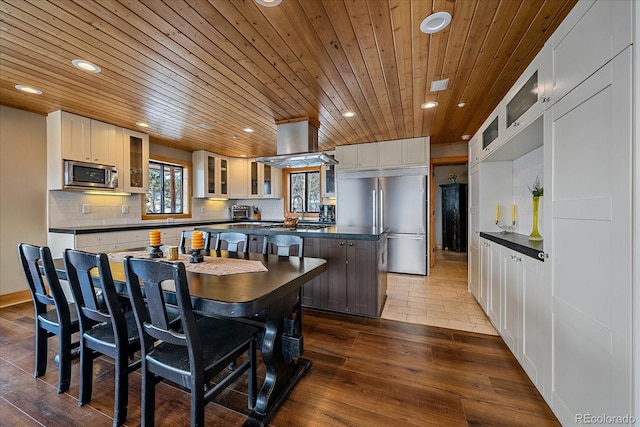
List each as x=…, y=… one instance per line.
x=353, y=280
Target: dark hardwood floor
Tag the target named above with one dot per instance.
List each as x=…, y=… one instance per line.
x=365, y=372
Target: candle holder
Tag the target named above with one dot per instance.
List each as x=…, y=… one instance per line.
x=196, y=256
x=507, y=228
x=155, y=252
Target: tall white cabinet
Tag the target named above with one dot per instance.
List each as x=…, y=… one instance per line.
x=570, y=317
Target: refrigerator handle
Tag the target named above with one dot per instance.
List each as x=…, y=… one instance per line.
x=375, y=204
x=381, y=209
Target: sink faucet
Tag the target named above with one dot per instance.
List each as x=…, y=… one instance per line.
x=298, y=202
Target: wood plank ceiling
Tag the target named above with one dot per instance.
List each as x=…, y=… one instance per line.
x=177, y=64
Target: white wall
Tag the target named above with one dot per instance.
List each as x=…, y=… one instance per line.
x=23, y=191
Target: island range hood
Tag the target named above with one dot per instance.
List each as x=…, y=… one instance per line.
x=297, y=146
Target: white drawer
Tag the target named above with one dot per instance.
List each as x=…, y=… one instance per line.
x=96, y=239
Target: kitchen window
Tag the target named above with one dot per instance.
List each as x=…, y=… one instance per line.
x=168, y=193
x=304, y=190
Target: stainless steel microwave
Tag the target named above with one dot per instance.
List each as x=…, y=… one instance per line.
x=90, y=176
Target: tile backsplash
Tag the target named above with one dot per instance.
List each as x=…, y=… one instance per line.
x=71, y=209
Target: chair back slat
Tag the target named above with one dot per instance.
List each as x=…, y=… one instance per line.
x=42, y=279
x=283, y=245
x=97, y=299
x=234, y=241
x=152, y=317
x=186, y=235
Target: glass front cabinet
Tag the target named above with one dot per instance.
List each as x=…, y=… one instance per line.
x=135, y=174
x=529, y=96
x=211, y=175
x=264, y=181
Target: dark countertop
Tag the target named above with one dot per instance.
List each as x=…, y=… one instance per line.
x=329, y=232
x=517, y=242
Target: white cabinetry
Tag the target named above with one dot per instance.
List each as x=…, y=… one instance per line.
x=491, y=261
x=490, y=133
x=328, y=178
x=485, y=275
x=347, y=156
x=382, y=155
x=265, y=182
x=86, y=140
x=530, y=96
x=134, y=176
x=211, y=174
x=474, y=233
x=367, y=155
x=238, y=178
x=511, y=300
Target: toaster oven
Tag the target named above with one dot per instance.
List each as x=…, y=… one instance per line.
x=240, y=212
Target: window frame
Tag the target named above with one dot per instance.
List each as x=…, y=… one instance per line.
x=287, y=194
x=186, y=185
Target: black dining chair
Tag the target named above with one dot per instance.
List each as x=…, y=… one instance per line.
x=185, y=241
x=232, y=241
x=54, y=315
x=191, y=354
x=287, y=245
x=104, y=327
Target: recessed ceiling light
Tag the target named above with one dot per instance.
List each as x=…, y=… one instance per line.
x=28, y=89
x=268, y=3
x=248, y=130
x=142, y=124
x=206, y=126
x=430, y=104
x=349, y=114
x=435, y=22
x=243, y=155
x=465, y=137
x=438, y=85
x=87, y=66
x=461, y=104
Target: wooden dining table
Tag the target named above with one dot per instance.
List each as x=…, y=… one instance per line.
x=264, y=298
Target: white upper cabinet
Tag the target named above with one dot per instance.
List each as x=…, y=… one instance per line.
x=367, y=155
x=211, y=175
x=390, y=153
x=490, y=133
x=265, y=182
x=528, y=99
x=383, y=155
x=591, y=35
x=238, y=178
x=87, y=140
x=347, y=156
x=134, y=177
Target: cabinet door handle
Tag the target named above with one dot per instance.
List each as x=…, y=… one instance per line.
x=341, y=243
x=350, y=243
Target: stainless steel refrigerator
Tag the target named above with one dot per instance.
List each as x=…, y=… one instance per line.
x=398, y=200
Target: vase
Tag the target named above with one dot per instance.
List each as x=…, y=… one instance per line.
x=453, y=180
x=535, y=234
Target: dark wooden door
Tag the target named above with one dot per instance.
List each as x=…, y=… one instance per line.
x=336, y=255
x=314, y=293
x=454, y=217
x=361, y=277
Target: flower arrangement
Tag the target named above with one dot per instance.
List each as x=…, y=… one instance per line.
x=537, y=190
x=453, y=177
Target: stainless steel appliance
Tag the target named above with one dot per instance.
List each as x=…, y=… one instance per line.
x=89, y=176
x=240, y=212
x=397, y=200
x=327, y=213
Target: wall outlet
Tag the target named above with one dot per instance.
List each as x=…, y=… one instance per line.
x=169, y=220
x=201, y=209
x=86, y=209
x=125, y=209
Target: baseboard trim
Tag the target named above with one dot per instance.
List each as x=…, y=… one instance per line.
x=14, y=298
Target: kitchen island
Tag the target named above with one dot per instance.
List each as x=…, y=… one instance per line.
x=356, y=278
x=355, y=281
